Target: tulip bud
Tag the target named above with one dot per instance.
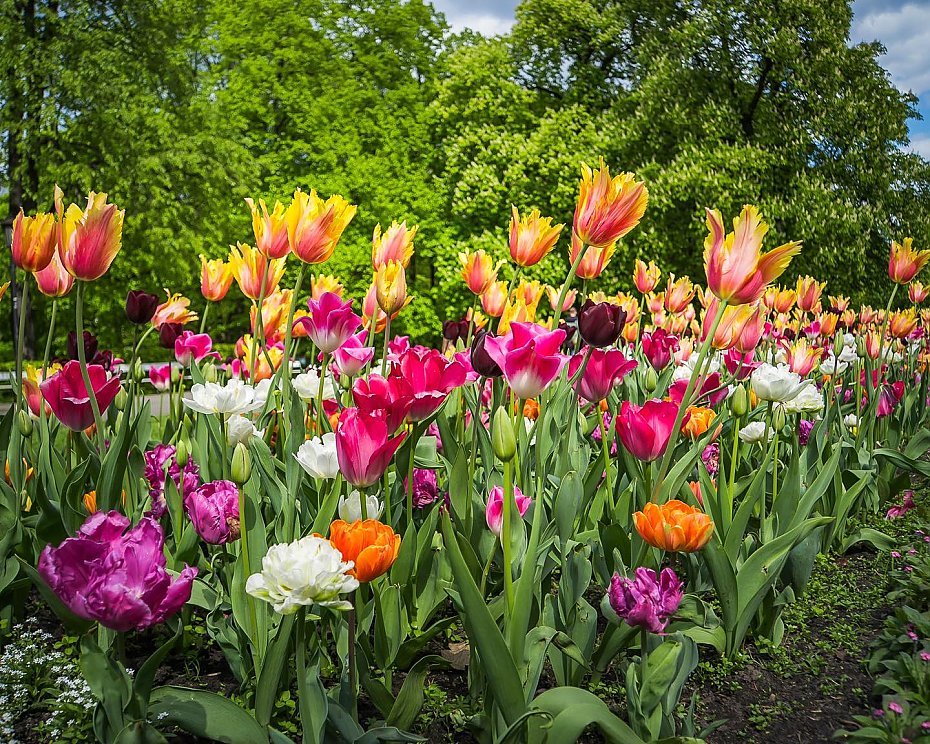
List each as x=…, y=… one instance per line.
x=168, y=333
x=860, y=347
x=739, y=404
x=140, y=306
x=502, y=438
x=778, y=418
x=120, y=400
x=241, y=469
x=182, y=454
x=481, y=361
x=138, y=373
x=119, y=421
x=24, y=424
x=209, y=373
x=650, y=380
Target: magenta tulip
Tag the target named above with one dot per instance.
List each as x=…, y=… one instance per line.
x=155, y=475
x=160, y=377
x=114, y=576
x=353, y=355
x=330, y=323
x=658, y=348
x=494, y=512
x=645, y=430
x=709, y=386
x=67, y=396
x=529, y=356
x=425, y=487
x=214, y=511
x=193, y=347
x=604, y=370
x=740, y=365
x=363, y=447
x=648, y=601
x=431, y=377
x=392, y=397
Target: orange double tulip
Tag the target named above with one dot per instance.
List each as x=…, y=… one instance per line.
x=674, y=526
x=371, y=545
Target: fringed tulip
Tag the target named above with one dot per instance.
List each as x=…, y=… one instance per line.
x=647, y=601
x=646, y=278
x=176, y=309
x=809, y=291
x=608, y=208
x=678, y=294
x=270, y=229
x=248, y=266
x=478, y=271
x=529, y=357
x=89, y=238
x=531, y=238
x=216, y=278
x=674, y=526
x=68, y=398
x=314, y=227
x=395, y=244
x=904, y=262
x=323, y=283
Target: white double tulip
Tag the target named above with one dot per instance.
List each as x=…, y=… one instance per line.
x=317, y=456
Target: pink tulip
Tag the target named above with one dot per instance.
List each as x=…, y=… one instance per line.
x=658, y=348
x=494, y=511
x=67, y=396
x=214, y=511
x=193, y=347
x=114, y=576
x=645, y=430
x=392, y=397
x=160, y=377
x=363, y=447
x=331, y=322
x=431, y=377
x=648, y=601
x=353, y=355
x=708, y=386
x=604, y=370
x=529, y=356
x=740, y=365
x=397, y=346
x=153, y=471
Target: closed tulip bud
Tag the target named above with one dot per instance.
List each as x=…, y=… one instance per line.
x=138, y=373
x=140, y=306
x=209, y=373
x=601, y=323
x=119, y=402
x=182, y=454
x=739, y=402
x=241, y=469
x=481, y=361
x=168, y=333
x=391, y=287
x=502, y=437
x=650, y=380
x=860, y=346
x=119, y=421
x=778, y=418
x=24, y=424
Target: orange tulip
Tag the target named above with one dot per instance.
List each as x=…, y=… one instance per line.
x=6, y=471
x=905, y=263
x=696, y=491
x=89, y=238
x=34, y=241
x=478, y=271
x=263, y=370
x=802, y=357
x=630, y=306
x=678, y=293
x=655, y=302
x=674, y=526
x=531, y=293
x=216, y=277
x=595, y=258
x=902, y=323
x=369, y=544
x=270, y=229
x=840, y=303
x=531, y=237
x=809, y=291
x=553, y=294
x=608, y=208
x=530, y=409
x=646, y=278
x=53, y=280
x=6, y=285
x=323, y=283
x=631, y=333
x=784, y=300
x=314, y=227
x=698, y=422
x=176, y=309
x=828, y=323
x=391, y=287
x=249, y=265
x=494, y=299
x=396, y=244
x=274, y=314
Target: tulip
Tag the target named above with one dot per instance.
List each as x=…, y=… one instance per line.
x=249, y=265
x=595, y=258
x=531, y=238
x=396, y=244
x=193, y=347
x=678, y=294
x=902, y=323
x=176, y=309
x=646, y=278
x=140, y=306
x=608, y=208
x=317, y=457
x=478, y=271
x=809, y=291
x=314, y=227
x=648, y=601
x=305, y=572
x=481, y=360
x=776, y=383
x=802, y=357
x=114, y=576
x=658, y=348
x=214, y=511
x=263, y=370
x=552, y=293
x=600, y=324
x=645, y=430
x=809, y=400
x=331, y=322
x=515, y=312
x=364, y=447
x=494, y=299
x=494, y=511
x=872, y=344
x=391, y=288
x=53, y=280
x=917, y=292
x=604, y=370
x=369, y=544
x=270, y=229
x=674, y=526
x=168, y=333
x=186, y=479
x=698, y=421
x=391, y=397
x=529, y=357
x=67, y=396
x=31, y=389
x=905, y=263
x=34, y=241
x=350, y=508
x=425, y=487
x=739, y=364
x=320, y=284
x=224, y=400
x=216, y=277
x=89, y=239
x=275, y=309
x=239, y=430
x=707, y=386
x=431, y=377
x=737, y=270
x=352, y=357
x=90, y=344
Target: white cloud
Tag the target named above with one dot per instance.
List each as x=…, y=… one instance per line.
x=488, y=17
x=483, y=23
x=920, y=143
x=905, y=33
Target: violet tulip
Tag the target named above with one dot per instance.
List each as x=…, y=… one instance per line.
x=330, y=323
x=604, y=370
x=425, y=487
x=67, y=396
x=160, y=377
x=529, y=357
x=648, y=601
x=431, y=378
x=353, y=355
x=214, y=511
x=90, y=345
x=168, y=333
x=153, y=471
x=193, y=347
x=658, y=348
x=494, y=512
x=114, y=576
x=363, y=446
x=645, y=430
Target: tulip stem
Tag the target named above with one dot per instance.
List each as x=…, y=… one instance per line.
x=203, y=318
x=353, y=673
x=85, y=375
x=48, y=341
x=605, y=446
x=728, y=514
x=505, y=537
x=387, y=339
x=775, y=468
x=286, y=361
x=510, y=290
x=259, y=325
x=19, y=398
x=301, y=651
x=414, y=437
x=568, y=283
x=319, y=397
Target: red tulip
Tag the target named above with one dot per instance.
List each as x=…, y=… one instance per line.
x=431, y=377
x=66, y=394
x=645, y=430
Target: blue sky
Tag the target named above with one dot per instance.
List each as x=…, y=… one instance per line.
x=903, y=26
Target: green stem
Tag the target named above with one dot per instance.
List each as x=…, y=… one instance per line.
x=605, y=446
x=505, y=538
x=259, y=329
x=51, y=334
x=568, y=283
x=410, y=463
x=319, y=397
x=19, y=400
x=387, y=340
x=203, y=318
x=286, y=361
x=733, y=461
x=94, y=406
x=301, y=652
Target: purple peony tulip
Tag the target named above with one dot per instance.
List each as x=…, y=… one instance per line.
x=214, y=511
x=154, y=473
x=425, y=489
x=646, y=601
x=114, y=576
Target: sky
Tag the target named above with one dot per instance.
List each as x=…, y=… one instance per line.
x=902, y=26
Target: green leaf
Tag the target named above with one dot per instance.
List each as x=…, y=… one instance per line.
x=410, y=698
x=205, y=714
x=573, y=710
x=269, y=680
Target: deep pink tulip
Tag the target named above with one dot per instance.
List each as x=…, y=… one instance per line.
x=214, y=511
x=658, y=347
x=645, y=430
x=397, y=346
x=160, y=377
x=431, y=378
x=494, y=512
x=738, y=364
x=529, y=356
x=707, y=387
x=330, y=323
x=888, y=398
x=193, y=347
x=353, y=355
x=392, y=397
x=363, y=446
x=114, y=576
x=464, y=358
x=604, y=370
x=66, y=394
x=648, y=601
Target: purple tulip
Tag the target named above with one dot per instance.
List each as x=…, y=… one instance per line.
x=114, y=576
x=425, y=489
x=646, y=601
x=154, y=473
x=804, y=431
x=214, y=511
x=711, y=458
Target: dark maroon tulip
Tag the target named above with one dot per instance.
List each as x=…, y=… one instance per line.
x=570, y=329
x=140, y=306
x=450, y=330
x=481, y=361
x=168, y=333
x=90, y=345
x=601, y=323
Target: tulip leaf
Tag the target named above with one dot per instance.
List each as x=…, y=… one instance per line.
x=139, y=732
x=410, y=698
x=269, y=679
x=206, y=714
x=570, y=712
x=145, y=677
x=69, y=619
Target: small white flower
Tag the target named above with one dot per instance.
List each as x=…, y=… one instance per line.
x=350, y=509
x=809, y=400
x=754, y=432
x=833, y=366
x=241, y=429
x=307, y=386
x=224, y=400
x=776, y=383
x=317, y=456
x=850, y=420
x=304, y=572
x=849, y=355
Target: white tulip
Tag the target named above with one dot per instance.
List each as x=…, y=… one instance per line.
x=318, y=456
x=848, y=355
x=684, y=370
x=262, y=390
x=241, y=429
x=307, y=571
x=225, y=400
x=307, y=386
x=833, y=366
x=754, y=432
x=850, y=420
x=809, y=400
x=776, y=383
x=350, y=509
